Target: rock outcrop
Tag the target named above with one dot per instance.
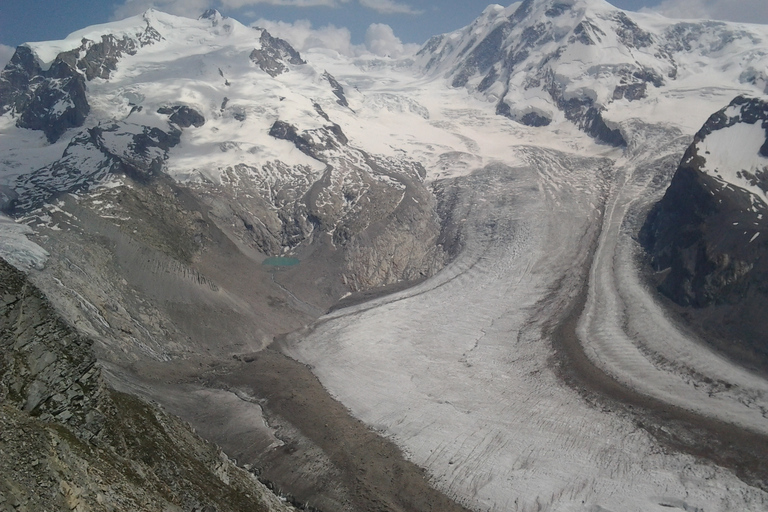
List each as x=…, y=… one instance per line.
x=183, y=116
x=51, y=101
x=91, y=157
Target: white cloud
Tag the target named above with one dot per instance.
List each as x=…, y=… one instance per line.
x=193, y=8
x=747, y=11
x=381, y=40
x=188, y=8
x=303, y=37
x=236, y=4
x=6, y=52
x=389, y=7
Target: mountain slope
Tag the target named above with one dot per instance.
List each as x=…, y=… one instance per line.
x=230, y=107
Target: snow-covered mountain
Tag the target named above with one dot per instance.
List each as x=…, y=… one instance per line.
x=189, y=191
x=209, y=101
x=542, y=61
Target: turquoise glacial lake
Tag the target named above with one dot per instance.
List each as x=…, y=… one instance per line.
x=280, y=261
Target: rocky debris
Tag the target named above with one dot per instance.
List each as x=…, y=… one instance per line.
x=275, y=54
x=704, y=242
x=68, y=442
x=184, y=116
x=91, y=157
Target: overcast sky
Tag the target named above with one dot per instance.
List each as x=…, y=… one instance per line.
x=345, y=25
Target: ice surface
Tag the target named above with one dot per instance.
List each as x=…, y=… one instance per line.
x=17, y=249
x=458, y=369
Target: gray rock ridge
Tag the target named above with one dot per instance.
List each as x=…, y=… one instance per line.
x=69, y=442
x=183, y=116
x=51, y=101
x=337, y=88
x=702, y=242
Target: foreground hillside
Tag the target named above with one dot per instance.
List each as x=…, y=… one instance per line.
x=70, y=442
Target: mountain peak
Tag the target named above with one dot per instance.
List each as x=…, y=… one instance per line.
x=211, y=14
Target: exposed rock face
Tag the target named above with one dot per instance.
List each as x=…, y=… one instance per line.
x=378, y=211
x=98, y=60
x=71, y=443
x=310, y=142
x=51, y=101
x=704, y=238
x=585, y=114
x=48, y=371
x=274, y=54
